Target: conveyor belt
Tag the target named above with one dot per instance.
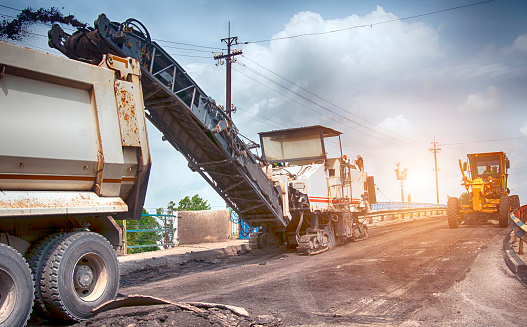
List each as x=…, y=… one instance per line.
x=189, y=120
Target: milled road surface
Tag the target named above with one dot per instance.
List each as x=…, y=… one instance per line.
x=417, y=273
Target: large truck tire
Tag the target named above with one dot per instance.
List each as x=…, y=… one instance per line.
x=36, y=258
x=514, y=201
x=504, y=211
x=16, y=288
x=80, y=274
x=453, y=212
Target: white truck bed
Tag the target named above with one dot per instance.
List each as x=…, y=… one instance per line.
x=73, y=135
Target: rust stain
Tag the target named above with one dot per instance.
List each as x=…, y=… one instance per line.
x=47, y=177
x=127, y=116
x=57, y=201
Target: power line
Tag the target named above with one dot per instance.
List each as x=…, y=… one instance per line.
x=331, y=118
x=183, y=55
x=173, y=42
x=371, y=25
x=277, y=123
x=186, y=49
x=259, y=121
x=190, y=45
x=3, y=6
x=332, y=111
x=4, y=15
x=337, y=106
x=266, y=118
x=495, y=140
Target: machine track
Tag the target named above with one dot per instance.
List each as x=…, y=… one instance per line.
x=253, y=240
x=312, y=244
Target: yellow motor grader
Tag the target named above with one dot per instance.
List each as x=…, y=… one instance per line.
x=488, y=195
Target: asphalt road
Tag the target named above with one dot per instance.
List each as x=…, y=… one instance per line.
x=418, y=273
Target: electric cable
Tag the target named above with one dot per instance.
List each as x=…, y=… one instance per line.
x=333, y=104
x=370, y=25
x=322, y=114
x=485, y=141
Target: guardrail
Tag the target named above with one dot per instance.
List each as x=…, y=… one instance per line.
x=382, y=211
x=402, y=210
x=168, y=233
x=517, y=224
x=404, y=205
x=240, y=230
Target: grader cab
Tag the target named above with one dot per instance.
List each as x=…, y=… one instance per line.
x=485, y=179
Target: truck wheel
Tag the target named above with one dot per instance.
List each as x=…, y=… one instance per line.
x=16, y=288
x=504, y=211
x=81, y=273
x=514, y=201
x=453, y=212
x=36, y=258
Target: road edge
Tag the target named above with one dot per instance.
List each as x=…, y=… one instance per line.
x=176, y=259
x=513, y=262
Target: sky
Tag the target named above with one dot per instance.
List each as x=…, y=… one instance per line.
x=397, y=76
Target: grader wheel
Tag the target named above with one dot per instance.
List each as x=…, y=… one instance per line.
x=453, y=212
x=504, y=211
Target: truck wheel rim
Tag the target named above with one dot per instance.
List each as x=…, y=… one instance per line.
x=90, y=277
x=7, y=295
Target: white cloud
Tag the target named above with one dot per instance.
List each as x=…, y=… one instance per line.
x=482, y=101
x=523, y=128
x=520, y=44
x=396, y=124
x=396, y=70
x=340, y=67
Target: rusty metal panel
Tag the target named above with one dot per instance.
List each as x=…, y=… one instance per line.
x=62, y=149
x=127, y=106
x=110, y=139
x=21, y=203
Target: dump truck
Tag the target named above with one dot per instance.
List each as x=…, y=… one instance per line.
x=488, y=195
x=75, y=158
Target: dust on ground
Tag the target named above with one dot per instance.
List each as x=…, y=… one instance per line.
x=172, y=315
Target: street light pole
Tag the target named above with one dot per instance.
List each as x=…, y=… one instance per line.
x=401, y=176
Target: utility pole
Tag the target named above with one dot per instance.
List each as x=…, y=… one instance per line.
x=401, y=176
x=230, y=41
x=435, y=149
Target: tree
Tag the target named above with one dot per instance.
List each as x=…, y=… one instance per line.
x=142, y=238
x=189, y=204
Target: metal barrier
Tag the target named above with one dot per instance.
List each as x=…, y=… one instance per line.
x=241, y=230
x=169, y=237
x=402, y=210
x=404, y=205
x=382, y=211
x=517, y=224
